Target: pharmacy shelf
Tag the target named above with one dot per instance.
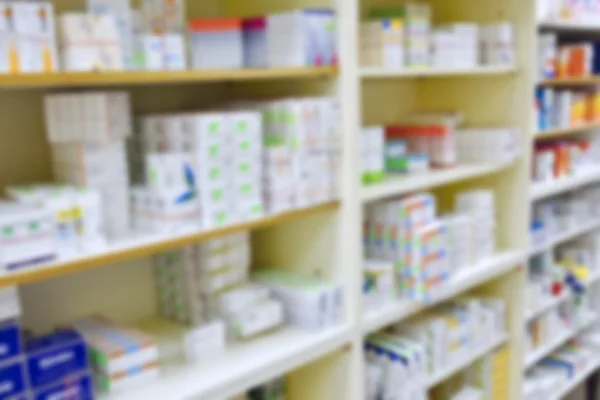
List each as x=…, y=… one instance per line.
x=129, y=78
x=468, y=278
x=241, y=367
x=546, y=349
x=401, y=184
x=571, y=81
x=566, y=237
x=556, y=301
x=547, y=189
x=387, y=73
x=570, y=26
x=151, y=244
x=449, y=371
x=574, y=130
x=577, y=380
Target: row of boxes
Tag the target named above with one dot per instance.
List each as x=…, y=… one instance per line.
x=405, y=38
x=110, y=36
x=46, y=367
x=432, y=140
x=563, y=109
x=401, y=360
x=557, y=371
x=571, y=11
x=406, y=242
x=559, y=159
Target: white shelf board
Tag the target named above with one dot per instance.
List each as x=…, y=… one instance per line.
x=570, y=26
x=566, y=237
x=577, y=380
x=546, y=189
x=548, y=305
x=537, y=355
x=399, y=184
x=449, y=371
x=383, y=72
x=241, y=367
x=468, y=278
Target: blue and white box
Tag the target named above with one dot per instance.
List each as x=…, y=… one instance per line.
x=55, y=357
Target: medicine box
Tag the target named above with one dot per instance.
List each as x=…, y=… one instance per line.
x=90, y=42
x=255, y=319
x=304, y=37
x=80, y=387
x=255, y=42
x=14, y=382
x=10, y=341
x=27, y=236
x=10, y=305
x=55, y=357
x=123, y=15
x=216, y=43
x=33, y=24
x=309, y=303
x=382, y=43
x=163, y=16
x=113, y=348
x=89, y=117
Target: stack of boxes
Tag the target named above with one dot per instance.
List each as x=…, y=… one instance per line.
x=207, y=285
x=301, y=155
x=121, y=357
x=13, y=375
x=77, y=219
x=216, y=161
x=87, y=134
x=427, y=251
x=418, y=34
x=47, y=367
x=58, y=367
x=28, y=43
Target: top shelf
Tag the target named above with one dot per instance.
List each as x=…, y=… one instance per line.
x=387, y=73
x=570, y=26
x=130, y=78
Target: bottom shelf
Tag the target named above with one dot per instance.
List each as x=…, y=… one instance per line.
x=542, y=351
x=447, y=372
x=577, y=380
x=240, y=367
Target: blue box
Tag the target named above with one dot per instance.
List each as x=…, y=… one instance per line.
x=54, y=357
x=13, y=381
x=80, y=387
x=10, y=340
